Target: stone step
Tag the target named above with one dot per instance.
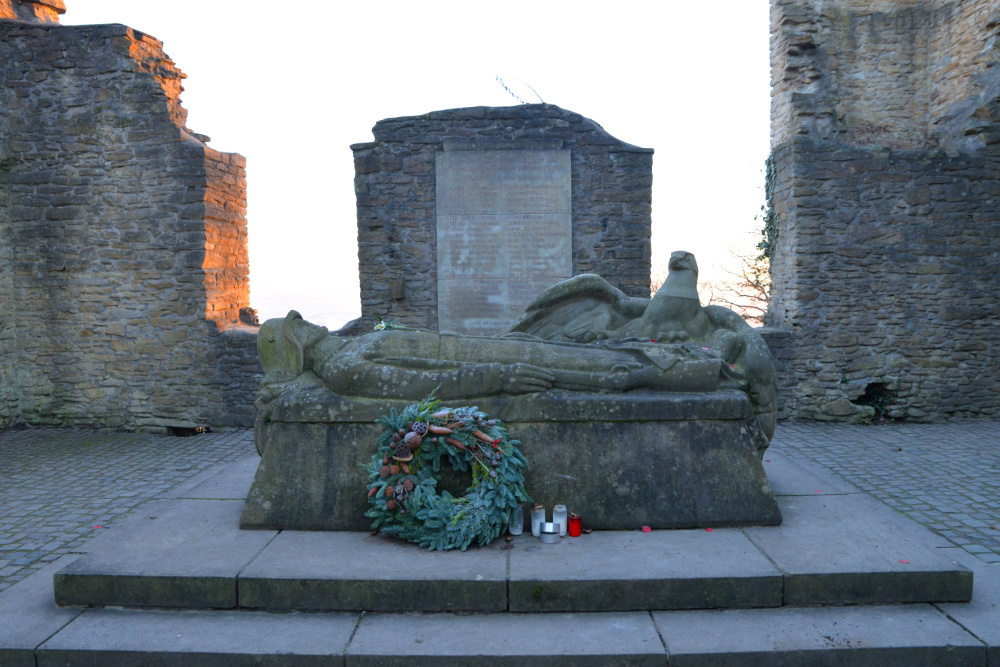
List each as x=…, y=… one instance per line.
x=910, y=636
x=839, y=549
x=915, y=635
x=836, y=537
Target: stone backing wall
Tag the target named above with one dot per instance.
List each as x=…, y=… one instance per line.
x=395, y=186
x=886, y=145
x=123, y=255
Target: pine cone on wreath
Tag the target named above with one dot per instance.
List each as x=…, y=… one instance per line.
x=383, y=472
x=408, y=484
x=412, y=440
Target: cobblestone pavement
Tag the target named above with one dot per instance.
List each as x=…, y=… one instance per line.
x=945, y=476
x=57, y=485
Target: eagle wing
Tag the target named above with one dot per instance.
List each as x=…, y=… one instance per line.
x=573, y=308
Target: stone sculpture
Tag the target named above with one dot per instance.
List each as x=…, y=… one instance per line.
x=641, y=411
x=411, y=363
x=579, y=335
x=586, y=308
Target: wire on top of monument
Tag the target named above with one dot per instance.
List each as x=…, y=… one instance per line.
x=510, y=92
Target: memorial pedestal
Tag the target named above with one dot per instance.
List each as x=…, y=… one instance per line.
x=622, y=461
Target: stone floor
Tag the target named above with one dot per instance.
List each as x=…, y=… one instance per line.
x=59, y=486
x=56, y=486
x=944, y=476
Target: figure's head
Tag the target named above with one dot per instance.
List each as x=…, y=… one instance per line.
x=682, y=279
x=682, y=260
x=282, y=342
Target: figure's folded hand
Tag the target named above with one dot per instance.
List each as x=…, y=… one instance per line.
x=525, y=378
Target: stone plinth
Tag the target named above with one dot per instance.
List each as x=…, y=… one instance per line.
x=622, y=461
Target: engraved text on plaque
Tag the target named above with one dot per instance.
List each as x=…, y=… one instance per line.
x=504, y=234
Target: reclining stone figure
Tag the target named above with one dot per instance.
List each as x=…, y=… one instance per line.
x=581, y=335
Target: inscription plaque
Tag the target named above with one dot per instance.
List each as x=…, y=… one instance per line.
x=504, y=234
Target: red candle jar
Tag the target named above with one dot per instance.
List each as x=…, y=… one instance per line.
x=575, y=524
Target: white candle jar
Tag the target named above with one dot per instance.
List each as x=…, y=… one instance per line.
x=561, y=517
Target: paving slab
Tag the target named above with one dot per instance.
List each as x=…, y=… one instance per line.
x=29, y=615
x=791, y=477
x=232, y=482
x=981, y=617
x=177, y=553
x=885, y=636
x=852, y=549
x=553, y=640
x=617, y=571
x=347, y=571
x=153, y=638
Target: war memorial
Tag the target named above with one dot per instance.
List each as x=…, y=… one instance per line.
x=464, y=395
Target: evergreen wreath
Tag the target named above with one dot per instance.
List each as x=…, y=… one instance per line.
x=403, y=476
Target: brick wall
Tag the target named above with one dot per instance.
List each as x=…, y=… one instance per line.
x=885, y=120
x=123, y=254
x=395, y=186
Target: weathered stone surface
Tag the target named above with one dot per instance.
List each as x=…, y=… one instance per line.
x=629, y=569
x=851, y=549
x=981, y=617
x=663, y=427
x=179, y=560
x=32, y=11
x=916, y=635
x=120, y=638
x=680, y=570
x=123, y=246
x=30, y=616
x=586, y=308
x=356, y=571
x=504, y=234
x=691, y=461
x=885, y=187
x=558, y=640
x=395, y=185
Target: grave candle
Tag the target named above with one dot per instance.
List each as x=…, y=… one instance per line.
x=559, y=516
x=575, y=524
x=537, y=518
x=516, y=525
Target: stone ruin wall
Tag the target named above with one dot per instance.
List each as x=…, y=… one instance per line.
x=886, y=148
x=395, y=186
x=123, y=249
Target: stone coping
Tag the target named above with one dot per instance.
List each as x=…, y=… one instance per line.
x=317, y=404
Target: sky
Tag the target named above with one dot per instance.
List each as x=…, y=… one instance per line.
x=292, y=85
